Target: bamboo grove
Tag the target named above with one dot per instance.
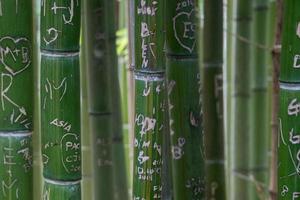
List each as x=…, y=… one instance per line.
x=148, y=99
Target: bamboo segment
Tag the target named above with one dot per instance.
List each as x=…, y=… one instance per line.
x=149, y=130
x=148, y=60
x=60, y=83
x=104, y=102
x=289, y=143
x=58, y=18
x=288, y=171
x=240, y=172
x=16, y=165
x=60, y=98
x=184, y=100
x=259, y=130
x=103, y=166
x=185, y=128
x=16, y=100
x=149, y=36
x=213, y=100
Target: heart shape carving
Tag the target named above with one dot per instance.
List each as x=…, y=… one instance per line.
x=15, y=54
x=184, y=30
x=70, y=148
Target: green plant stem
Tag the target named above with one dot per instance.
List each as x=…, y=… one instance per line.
x=213, y=100
x=60, y=98
x=149, y=63
x=104, y=101
x=16, y=101
x=240, y=172
x=259, y=126
x=183, y=76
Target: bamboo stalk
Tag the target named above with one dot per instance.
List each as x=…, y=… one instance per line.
x=227, y=87
x=148, y=62
x=60, y=98
x=213, y=100
x=289, y=144
x=240, y=171
x=184, y=100
x=104, y=110
x=99, y=95
x=259, y=129
x=37, y=154
x=87, y=153
x=16, y=100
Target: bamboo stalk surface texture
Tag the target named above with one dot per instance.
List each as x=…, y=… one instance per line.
x=149, y=77
x=16, y=100
x=60, y=99
x=184, y=101
x=213, y=116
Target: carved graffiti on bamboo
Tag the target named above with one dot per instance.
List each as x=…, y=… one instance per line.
x=54, y=90
x=104, y=158
x=15, y=54
x=298, y=30
x=147, y=124
x=294, y=158
x=70, y=150
x=177, y=150
x=296, y=63
x=146, y=46
x=10, y=188
x=294, y=107
x=15, y=58
x=144, y=9
x=67, y=11
x=184, y=4
x=52, y=35
x=184, y=29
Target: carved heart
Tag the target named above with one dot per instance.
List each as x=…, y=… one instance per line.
x=183, y=27
x=15, y=54
x=70, y=147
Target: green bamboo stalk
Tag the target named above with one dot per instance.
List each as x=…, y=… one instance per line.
x=120, y=176
x=213, y=100
x=87, y=153
x=99, y=97
x=104, y=110
x=240, y=171
x=184, y=100
x=16, y=100
x=227, y=87
x=60, y=99
x=131, y=86
x=148, y=62
x=278, y=12
x=259, y=128
x=37, y=154
x=289, y=144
